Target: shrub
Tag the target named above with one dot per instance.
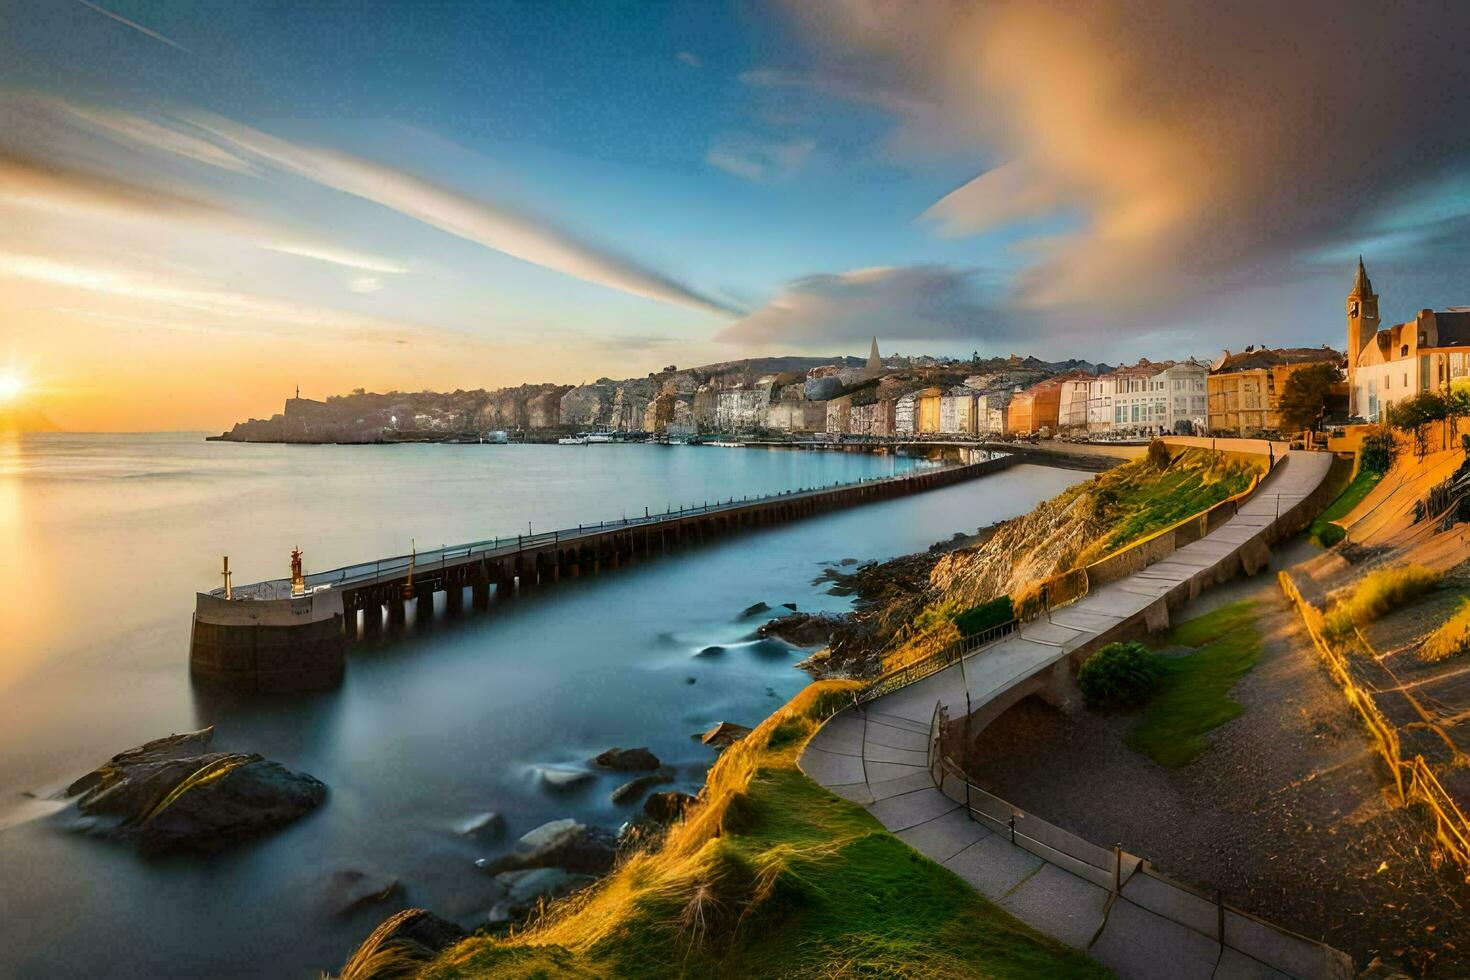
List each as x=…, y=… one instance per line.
x=1451, y=639
x=1158, y=454
x=978, y=619
x=1120, y=675
x=1378, y=593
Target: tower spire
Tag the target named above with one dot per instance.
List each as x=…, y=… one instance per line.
x=1361, y=285
x=875, y=363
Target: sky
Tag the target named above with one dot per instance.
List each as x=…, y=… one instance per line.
x=205, y=204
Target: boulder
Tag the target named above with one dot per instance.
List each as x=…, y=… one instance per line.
x=348, y=891
x=713, y=651
x=526, y=888
x=754, y=610
x=563, y=844
x=485, y=826
x=669, y=806
x=633, y=789
x=802, y=629
x=563, y=780
x=628, y=760
x=406, y=940
x=789, y=605
x=171, y=793
x=724, y=734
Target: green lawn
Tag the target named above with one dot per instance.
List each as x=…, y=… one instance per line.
x=1151, y=502
x=1193, y=696
x=1322, y=530
x=791, y=882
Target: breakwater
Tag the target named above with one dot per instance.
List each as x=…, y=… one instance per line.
x=278, y=636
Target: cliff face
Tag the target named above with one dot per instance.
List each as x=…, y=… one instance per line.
x=373, y=417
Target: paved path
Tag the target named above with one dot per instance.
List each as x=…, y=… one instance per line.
x=878, y=757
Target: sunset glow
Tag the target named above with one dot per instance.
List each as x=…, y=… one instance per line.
x=12, y=386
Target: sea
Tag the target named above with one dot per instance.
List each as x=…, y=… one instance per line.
x=105, y=539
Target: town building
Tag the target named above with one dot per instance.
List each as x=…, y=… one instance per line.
x=1150, y=397
x=1072, y=405
x=1038, y=408
x=957, y=411
x=1244, y=390
x=926, y=410
x=990, y=412
x=1429, y=353
x=905, y=414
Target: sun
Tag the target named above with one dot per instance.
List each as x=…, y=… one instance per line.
x=12, y=385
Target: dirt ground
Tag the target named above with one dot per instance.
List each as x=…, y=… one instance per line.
x=1286, y=814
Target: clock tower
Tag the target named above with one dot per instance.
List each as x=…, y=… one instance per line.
x=1362, y=328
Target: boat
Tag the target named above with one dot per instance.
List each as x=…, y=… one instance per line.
x=597, y=437
x=726, y=444
x=577, y=440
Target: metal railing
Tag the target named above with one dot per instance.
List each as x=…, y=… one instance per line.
x=369, y=572
x=936, y=661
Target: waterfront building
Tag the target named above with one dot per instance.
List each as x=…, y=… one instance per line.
x=990, y=412
x=1038, y=407
x=871, y=416
x=926, y=410
x=1072, y=404
x=838, y=411
x=957, y=415
x=1244, y=390
x=1429, y=353
x=905, y=415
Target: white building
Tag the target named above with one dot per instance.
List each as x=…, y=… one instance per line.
x=957, y=414
x=1149, y=397
x=905, y=415
x=1072, y=404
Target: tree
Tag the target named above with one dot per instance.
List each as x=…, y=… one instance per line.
x=1305, y=394
x=1415, y=415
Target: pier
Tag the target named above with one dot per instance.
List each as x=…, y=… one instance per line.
x=293, y=635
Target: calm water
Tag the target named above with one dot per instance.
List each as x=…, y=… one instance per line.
x=108, y=537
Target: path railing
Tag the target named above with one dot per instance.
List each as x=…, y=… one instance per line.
x=367, y=572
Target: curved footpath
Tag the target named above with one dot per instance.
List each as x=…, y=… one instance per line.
x=1114, y=905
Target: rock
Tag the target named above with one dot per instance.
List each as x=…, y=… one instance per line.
x=348, y=891
x=848, y=561
x=170, y=793
x=563, y=780
x=690, y=680
x=486, y=826
x=789, y=605
x=802, y=629
x=668, y=806
x=724, y=734
x=524, y=889
x=754, y=610
x=559, y=844
x=633, y=789
x=628, y=760
x=710, y=652
x=405, y=939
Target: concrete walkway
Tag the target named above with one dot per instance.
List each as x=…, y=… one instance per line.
x=1112, y=905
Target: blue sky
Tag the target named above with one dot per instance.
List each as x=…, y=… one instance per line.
x=553, y=191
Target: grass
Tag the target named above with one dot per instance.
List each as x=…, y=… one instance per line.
x=1324, y=530
x=1192, y=697
x=1451, y=639
x=1138, y=499
x=771, y=875
x=1376, y=594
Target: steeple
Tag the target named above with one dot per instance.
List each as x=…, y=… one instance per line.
x=1361, y=285
x=875, y=363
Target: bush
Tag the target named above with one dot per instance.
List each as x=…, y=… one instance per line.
x=978, y=619
x=1120, y=675
x=1378, y=593
x=1451, y=639
x=1158, y=454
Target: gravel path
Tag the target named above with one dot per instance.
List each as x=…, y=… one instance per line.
x=1286, y=813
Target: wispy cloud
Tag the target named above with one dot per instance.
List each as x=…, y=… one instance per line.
x=365, y=284
x=135, y=26
x=530, y=238
x=216, y=306
x=690, y=58
x=759, y=158
x=847, y=89
x=336, y=256
x=924, y=302
x=148, y=133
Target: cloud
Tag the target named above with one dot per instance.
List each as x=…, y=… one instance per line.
x=148, y=133
x=494, y=226
x=336, y=256
x=759, y=159
x=690, y=58
x=365, y=284
x=38, y=184
x=922, y=302
x=207, y=303
x=846, y=89
x=134, y=25
x=1191, y=146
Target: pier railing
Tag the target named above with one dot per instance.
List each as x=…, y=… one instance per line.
x=398, y=565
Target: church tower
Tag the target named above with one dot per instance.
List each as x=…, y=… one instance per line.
x=875, y=363
x=1362, y=328
x=1362, y=316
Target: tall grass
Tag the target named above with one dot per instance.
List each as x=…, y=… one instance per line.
x=771, y=875
x=1451, y=639
x=1378, y=593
